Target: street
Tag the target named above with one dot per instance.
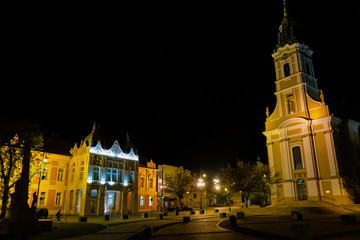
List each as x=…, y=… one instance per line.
x=200, y=228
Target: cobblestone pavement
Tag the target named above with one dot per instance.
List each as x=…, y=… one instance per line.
x=204, y=229
x=123, y=230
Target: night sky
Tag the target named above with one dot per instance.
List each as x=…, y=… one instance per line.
x=189, y=81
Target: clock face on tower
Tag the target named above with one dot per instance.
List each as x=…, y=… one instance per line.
x=285, y=56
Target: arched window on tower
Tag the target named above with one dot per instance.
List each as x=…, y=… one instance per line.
x=297, y=157
x=286, y=69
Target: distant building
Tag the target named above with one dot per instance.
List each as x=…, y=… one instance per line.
x=306, y=144
x=147, y=186
x=165, y=199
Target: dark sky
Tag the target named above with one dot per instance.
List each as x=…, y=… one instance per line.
x=189, y=81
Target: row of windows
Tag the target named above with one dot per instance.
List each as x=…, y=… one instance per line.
x=112, y=174
x=58, y=199
x=142, y=180
x=142, y=201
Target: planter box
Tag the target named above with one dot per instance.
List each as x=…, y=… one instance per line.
x=148, y=232
x=186, y=219
x=232, y=220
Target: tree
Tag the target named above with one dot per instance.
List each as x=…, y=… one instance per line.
x=245, y=177
x=179, y=182
x=17, y=140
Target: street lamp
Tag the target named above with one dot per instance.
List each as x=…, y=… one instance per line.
x=43, y=169
x=201, y=184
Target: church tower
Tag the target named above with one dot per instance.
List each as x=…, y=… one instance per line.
x=299, y=134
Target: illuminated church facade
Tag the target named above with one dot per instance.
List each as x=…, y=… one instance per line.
x=302, y=136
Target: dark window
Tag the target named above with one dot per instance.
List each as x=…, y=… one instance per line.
x=297, y=157
x=286, y=69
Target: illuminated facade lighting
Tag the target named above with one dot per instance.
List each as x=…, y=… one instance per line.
x=115, y=151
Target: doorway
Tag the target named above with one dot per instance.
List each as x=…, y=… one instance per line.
x=301, y=190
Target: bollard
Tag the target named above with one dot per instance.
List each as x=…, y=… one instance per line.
x=348, y=219
x=177, y=213
x=82, y=219
x=165, y=214
x=232, y=220
x=299, y=216
x=148, y=231
x=145, y=215
x=202, y=211
x=186, y=219
x=240, y=215
x=107, y=217
x=192, y=212
x=222, y=215
x=301, y=231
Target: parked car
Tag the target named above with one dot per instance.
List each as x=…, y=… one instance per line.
x=170, y=209
x=184, y=208
x=42, y=213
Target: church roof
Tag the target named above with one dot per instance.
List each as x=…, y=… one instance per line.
x=57, y=146
x=286, y=33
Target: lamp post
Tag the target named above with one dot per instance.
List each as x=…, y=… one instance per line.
x=201, y=184
x=217, y=188
x=43, y=169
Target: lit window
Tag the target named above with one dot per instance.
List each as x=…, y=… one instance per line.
x=142, y=182
x=142, y=200
x=58, y=199
x=72, y=174
x=150, y=201
x=42, y=199
x=96, y=173
x=108, y=174
x=114, y=175
x=297, y=157
x=151, y=183
x=81, y=173
x=60, y=174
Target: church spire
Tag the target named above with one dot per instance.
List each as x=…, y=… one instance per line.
x=286, y=30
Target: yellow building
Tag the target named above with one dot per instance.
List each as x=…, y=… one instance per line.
x=303, y=157
x=92, y=178
x=147, y=187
